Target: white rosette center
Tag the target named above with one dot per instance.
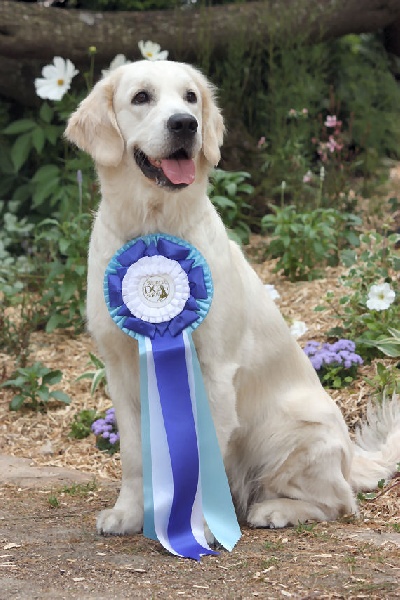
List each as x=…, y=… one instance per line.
x=155, y=289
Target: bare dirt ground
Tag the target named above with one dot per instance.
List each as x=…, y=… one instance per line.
x=52, y=486
x=55, y=552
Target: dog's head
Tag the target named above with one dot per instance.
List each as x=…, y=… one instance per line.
x=162, y=115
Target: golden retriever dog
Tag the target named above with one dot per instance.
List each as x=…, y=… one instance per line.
x=154, y=132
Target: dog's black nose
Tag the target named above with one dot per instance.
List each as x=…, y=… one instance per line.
x=182, y=123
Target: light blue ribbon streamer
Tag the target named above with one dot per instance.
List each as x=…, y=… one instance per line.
x=148, y=528
x=218, y=507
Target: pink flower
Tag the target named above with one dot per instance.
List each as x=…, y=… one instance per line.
x=307, y=177
x=292, y=112
x=331, y=121
x=261, y=142
x=305, y=111
x=331, y=144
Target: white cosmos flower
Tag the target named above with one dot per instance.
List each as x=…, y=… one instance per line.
x=298, y=328
x=118, y=61
x=56, y=79
x=380, y=296
x=272, y=291
x=152, y=51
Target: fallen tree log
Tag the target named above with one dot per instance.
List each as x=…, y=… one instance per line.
x=31, y=34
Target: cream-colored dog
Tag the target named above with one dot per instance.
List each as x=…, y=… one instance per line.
x=154, y=131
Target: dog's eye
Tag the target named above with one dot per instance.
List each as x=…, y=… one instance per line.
x=191, y=97
x=141, y=98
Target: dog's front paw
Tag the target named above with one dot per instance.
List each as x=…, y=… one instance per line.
x=117, y=521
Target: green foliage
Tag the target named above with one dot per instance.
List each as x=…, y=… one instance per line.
x=18, y=317
x=39, y=171
x=98, y=376
x=304, y=242
x=80, y=426
x=62, y=264
x=80, y=489
x=385, y=382
x=104, y=445
x=337, y=377
x=283, y=94
x=227, y=191
x=375, y=104
x=375, y=261
x=33, y=385
x=53, y=501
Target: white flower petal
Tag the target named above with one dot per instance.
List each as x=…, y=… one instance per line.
x=298, y=328
x=152, y=50
x=272, y=291
x=116, y=62
x=56, y=79
x=380, y=296
x=163, y=55
x=70, y=70
x=50, y=72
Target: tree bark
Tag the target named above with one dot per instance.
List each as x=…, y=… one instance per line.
x=31, y=35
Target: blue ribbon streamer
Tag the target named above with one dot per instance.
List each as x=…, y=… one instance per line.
x=172, y=381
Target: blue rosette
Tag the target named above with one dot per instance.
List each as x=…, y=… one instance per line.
x=158, y=289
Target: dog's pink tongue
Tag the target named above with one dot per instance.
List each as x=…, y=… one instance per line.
x=179, y=171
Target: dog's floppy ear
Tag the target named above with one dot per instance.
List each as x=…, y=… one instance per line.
x=213, y=124
x=94, y=128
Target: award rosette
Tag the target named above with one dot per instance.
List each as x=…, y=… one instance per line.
x=158, y=289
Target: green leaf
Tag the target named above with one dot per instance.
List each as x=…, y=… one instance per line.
x=99, y=377
x=38, y=139
x=96, y=361
x=20, y=126
x=17, y=382
x=46, y=112
x=52, y=377
x=223, y=201
x=46, y=172
x=395, y=333
x=389, y=348
x=60, y=396
x=43, y=393
x=54, y=322
x=20, y=150
x=17, y=402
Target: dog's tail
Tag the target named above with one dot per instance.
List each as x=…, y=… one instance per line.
x=377, y=446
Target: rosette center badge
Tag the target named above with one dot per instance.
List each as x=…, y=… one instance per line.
x=158, y=289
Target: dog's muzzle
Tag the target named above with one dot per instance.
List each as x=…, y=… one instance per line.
x=176, y=170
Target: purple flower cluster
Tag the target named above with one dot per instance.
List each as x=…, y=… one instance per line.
x=340, y=353
x=107, y=427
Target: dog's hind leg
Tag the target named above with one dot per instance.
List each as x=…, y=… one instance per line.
x=281, y=512
x=311, y=484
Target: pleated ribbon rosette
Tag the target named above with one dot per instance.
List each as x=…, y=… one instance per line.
x=158, y=289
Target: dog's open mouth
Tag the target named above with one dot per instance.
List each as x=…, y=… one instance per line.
x=176, y=171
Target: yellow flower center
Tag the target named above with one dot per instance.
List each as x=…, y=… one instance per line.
x=149, y=54
x=60, y=82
